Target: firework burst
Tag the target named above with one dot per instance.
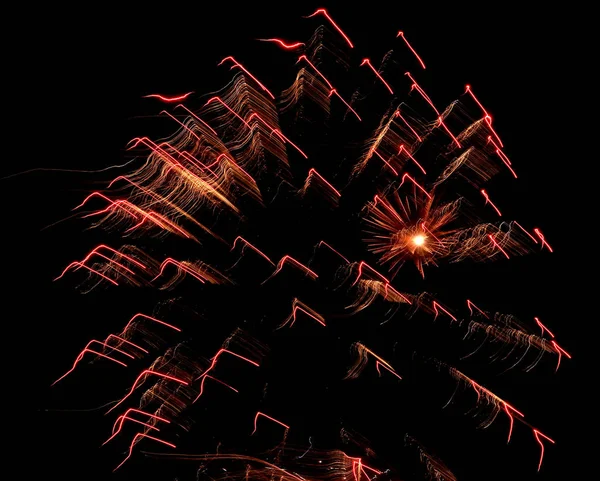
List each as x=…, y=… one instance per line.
x=412, y=189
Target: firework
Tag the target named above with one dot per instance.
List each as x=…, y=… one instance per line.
x=414, y=194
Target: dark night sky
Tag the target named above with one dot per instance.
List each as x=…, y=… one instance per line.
x=90, y=74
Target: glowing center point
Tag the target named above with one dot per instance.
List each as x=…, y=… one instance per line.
x=418, y=240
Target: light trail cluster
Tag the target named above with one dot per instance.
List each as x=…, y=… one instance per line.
x=238, y=153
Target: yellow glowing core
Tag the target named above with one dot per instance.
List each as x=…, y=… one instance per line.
x=418, y=240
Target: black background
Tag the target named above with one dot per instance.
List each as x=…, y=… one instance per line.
x=91, y=69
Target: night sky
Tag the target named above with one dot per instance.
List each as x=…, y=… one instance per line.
x=91, y=73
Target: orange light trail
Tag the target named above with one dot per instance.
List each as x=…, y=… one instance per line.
x=526, y=232
x=367, y=62
x=441, y=122
x=377, y=364
x=401, y=34
x=241, y=67
x=542, y=239
x=294, y=262
x=168, y=99
x=323, y=243
x=360, y=272
x=488, y=201
x=386, y=163
x=323, y=12
x=86, y=349
x=213, y=363
x=487, y=116
x=560, y=351
x=139, y=378
x=150, y=318
x=300, y=306
x=537, y=435
x=397, y=114
x=79, y=265
x=158, y=198
x=305, y=58
x=270, y=418
x=543, y=327
x=503, y=157
x=471, y=304
x=278, y=133
x=385, y=281
x=255, y=249
x=403, y=149
x=206, y=376
x=134, y=211
x=181, y=266
x=140, y=436
x=118, y=425
x=436, y=306
x=334, y=91
x=181, y=106
x=231, y=353
x=495, y=243
x=416, y=184
x=312, y=172
x=287, y=46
